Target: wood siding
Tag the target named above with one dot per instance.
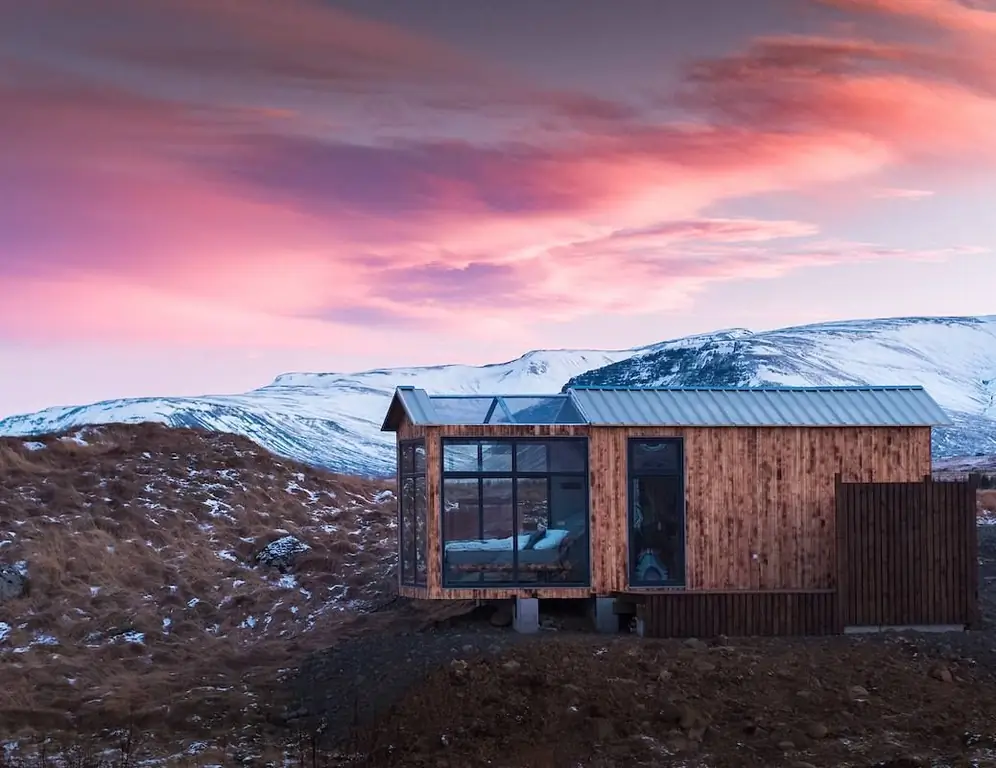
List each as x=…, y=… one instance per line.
x=740, y=614
x=764, y=491
x=908, y=553
x=767, y=492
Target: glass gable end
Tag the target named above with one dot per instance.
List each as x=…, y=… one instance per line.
x=505, y=409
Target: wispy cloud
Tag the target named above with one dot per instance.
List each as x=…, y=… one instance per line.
x=260, y=174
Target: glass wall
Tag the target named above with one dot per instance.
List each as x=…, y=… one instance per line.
x=515, y=512
x=656, y=512
x=412, y=512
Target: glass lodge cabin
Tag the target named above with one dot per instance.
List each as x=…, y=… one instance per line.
x=602, y=492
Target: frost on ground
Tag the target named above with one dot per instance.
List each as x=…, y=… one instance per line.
x=141, y=546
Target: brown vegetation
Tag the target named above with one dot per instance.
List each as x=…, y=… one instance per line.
x=987, y=507
x=146, y=605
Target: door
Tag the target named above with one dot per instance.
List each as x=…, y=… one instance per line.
x=656, y=512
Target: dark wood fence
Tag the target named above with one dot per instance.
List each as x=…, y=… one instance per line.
x=907, y=553
x=740, y=614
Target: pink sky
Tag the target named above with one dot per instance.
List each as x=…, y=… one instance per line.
x=198, y=196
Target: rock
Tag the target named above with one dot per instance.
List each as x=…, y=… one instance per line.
x=817, y=731
x=695, y=644
x=13, y=583
x=942, y=673
x=511, y=665
x=857, y=692
x=786, y=745
x=280, y=554
x=664, y=675
x=802, y=764
x=704, y=666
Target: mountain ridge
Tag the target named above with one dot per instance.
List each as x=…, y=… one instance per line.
x=333, y=419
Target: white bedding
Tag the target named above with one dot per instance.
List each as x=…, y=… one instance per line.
x=551, y=540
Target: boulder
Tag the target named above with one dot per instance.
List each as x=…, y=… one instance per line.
x=280, y=554
x=13, y=583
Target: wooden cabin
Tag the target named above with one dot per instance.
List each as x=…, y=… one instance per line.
x=601, y=492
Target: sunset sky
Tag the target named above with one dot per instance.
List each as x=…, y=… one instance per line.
x=197, y=195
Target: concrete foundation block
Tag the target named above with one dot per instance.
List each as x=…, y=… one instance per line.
x=526, y=619
x=606, y=619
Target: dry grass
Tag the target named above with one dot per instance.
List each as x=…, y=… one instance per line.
x=146, y=608
x=987, y=506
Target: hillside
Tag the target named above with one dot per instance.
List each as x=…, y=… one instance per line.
x=141, y=549
x=333, y=420
x=330, y=420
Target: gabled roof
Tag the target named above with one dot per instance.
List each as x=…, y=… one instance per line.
x=851, y=406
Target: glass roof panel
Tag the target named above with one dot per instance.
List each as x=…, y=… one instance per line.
x=462, y=410
x=554, y=409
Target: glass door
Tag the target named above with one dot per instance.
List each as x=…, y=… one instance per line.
x=656, y=512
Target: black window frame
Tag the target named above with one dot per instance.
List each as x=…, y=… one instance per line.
x=416, y=578
x=632, y=444
x=513, y=475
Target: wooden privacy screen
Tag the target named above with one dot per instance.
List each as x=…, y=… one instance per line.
x=740, y=614
x=907, y=553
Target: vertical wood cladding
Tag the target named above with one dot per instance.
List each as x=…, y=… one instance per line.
x=759, y=502
x=908, y=553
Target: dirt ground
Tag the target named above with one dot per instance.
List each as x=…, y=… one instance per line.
x=486, y=696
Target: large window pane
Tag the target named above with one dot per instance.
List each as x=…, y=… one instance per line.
x=407, y=530
x=569, y=524
x=420, y=529
x=407, y=459
x=530, y=457
x=530, y=527
x=496, y=457
x=532, y=503
x=568, y=455
x=461, y=529
x=499, y=529
x=657, y=530
x=461, y=457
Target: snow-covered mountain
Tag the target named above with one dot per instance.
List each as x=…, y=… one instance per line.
x=954, y=358
x=327, y=419
x=333, y=419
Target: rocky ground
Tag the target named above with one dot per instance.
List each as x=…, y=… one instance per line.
x=467, y=693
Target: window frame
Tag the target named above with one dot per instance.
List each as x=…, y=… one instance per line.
x=513, y=474
x=632, y=444
x=415, y=578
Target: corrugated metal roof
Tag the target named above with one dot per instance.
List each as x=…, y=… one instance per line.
x=759, y=407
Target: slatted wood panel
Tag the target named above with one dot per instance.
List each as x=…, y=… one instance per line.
x=740, y=614
x=767, y=492
x=907, y=553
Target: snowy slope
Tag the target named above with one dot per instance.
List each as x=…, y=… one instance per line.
x=328, y=419
x=954, y=358
x=333, y=419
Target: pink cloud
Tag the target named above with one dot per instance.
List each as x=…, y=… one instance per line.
x=146, y=213
x=956, y=15
x=903, y=194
